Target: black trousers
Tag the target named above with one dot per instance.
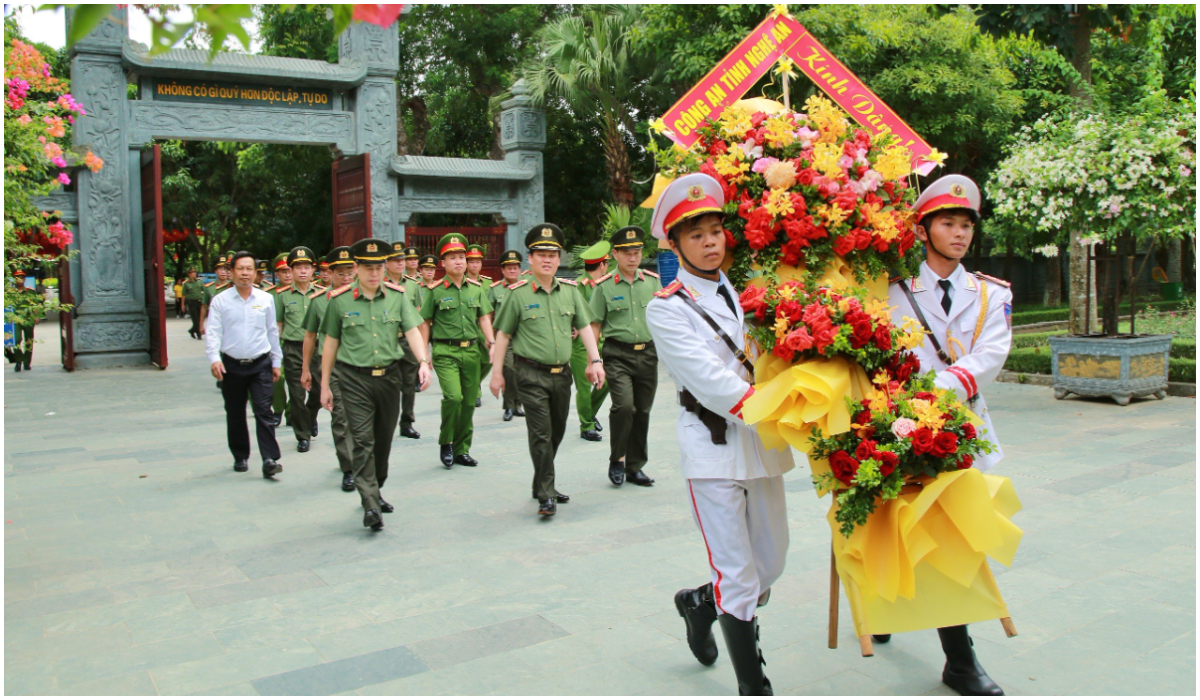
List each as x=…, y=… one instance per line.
x=253, y=379
x=547, y=399
x=193, y=307
x=302, y=405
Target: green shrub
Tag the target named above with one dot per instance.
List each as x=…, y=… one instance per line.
x=1184, y=348
x=1022, y=318
x=1033, y=340
x=1043, y=314
x=1182, y=369
x=1035, y=360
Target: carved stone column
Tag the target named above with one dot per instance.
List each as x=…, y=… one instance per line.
x=111, y=323
x=523, y=136
x=374, y=105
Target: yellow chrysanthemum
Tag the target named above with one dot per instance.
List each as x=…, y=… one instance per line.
x=825, y=159
x=895, y=163
x=779, y=203
x=778, y=132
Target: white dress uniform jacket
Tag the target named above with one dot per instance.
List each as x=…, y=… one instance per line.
x=978, y=360
x=698, y=360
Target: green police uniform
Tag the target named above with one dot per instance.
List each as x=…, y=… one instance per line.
x=476, y=252
x=291, y=307
x=619, y=304
x=453, y=312
x=367, y=367
x=587, y=399
x=497, y=293
x=408, y=364
x=193, y=296
x=317, y=306
x=539, y=321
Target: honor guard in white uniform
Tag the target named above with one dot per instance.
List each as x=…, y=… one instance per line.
x=967, y=321
x=734, y=483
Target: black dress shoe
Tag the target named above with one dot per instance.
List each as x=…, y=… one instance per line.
x=881, y=638
x=963, y=673
x=616, y=473
x=373, y=520
x=447, y=455
x=408, y=432
x=347, y=481
x=314, y=429
x=385, y=506
x=695, y=606
x=278, y=419
x=271, y=468
x=590, y=435
x=302, y=446
x=599, y=428
x=466, y=460
x=17, y=367
x=519, y=412
x=239, y=465
x=508, y=414
x=478, y=401
x=640, y=479
x=547, y=507
x=558, y=496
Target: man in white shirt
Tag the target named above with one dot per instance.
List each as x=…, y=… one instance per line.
x=243, y=346
x=735, y=484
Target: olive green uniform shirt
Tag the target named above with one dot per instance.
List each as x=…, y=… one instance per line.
x=368, y=330
x=291, y=306
x=540, y=320
x=455, y=311
x=193, y=290
x=211, y=290
x=619, y=306
x=318, y=303
x=498, y=292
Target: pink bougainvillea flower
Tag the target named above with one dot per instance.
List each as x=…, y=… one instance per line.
x=64, y=178
x=382, y=14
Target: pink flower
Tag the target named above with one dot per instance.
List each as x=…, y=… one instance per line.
x=64, y=178
x=59, y=162
x=903, y=427
x=806, y=136
x=762, y=164
x=24, y=120
x=381, y=14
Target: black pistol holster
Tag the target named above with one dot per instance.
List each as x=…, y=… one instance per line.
x=716, y=424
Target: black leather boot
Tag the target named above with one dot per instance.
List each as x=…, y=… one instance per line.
x=963, y=672
x=696, y=607
x=741, y=641
x=447, y=455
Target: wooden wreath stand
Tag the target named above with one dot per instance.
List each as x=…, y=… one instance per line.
x=864, y=642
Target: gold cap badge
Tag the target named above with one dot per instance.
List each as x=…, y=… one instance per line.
x=344, y=255
x=695, y=193
x=958, y=191
x=547, y=232
x=372, y=248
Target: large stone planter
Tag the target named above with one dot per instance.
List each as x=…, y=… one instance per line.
x=1121, y=368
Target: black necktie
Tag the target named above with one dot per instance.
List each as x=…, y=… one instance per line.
x=946, y=300
x=728, y=299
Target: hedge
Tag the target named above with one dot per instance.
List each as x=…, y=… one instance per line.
x=1043, y=315
x=1033, y=340
x=1036, y=360
x=1183, y=348
x=1182, y=369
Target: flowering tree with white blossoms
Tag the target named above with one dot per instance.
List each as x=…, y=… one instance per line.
x=1107, y=176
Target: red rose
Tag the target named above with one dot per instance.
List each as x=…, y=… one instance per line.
x=827, y=188
x=925, y=395
x=880, y=245
x=843, y=245
x=753, y=298
x=862, y=239
x=945, y=444
x=717, y=148
x=824, y=337
x=790, y=310
x=846, y=200
x=922, y=440
x=968, y=431
x=806, y=177
x=865, y=449
x=792, y=252
x=798, y=340
x=883, y=338
x=888, y=461
x=782, y=351
x=757, y=119
x=862, y=334
x=863, y=417
x=965, y=462
x=843, y=466
x=730, y=241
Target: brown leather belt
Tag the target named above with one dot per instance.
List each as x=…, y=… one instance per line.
x=637, y=347
x=552, y=369
x=370, y=371
x=457, y=343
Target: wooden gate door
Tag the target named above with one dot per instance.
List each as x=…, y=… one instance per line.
x=66, y=319
x=351, y=199
x=152, y=254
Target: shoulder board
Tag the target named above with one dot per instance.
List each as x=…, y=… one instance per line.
x=573, y=283
x=669, y=289
x=316, y=294
x=281, y=290
x=997, y=280
x=474, y=282
x=522, y=283
x=652, y=274
x=433, y=284
x=605, y=278
x=497, y=283
x=340, y=290
x=267, y=287
x=485, y=277
x=209, y=284
x=392, y=285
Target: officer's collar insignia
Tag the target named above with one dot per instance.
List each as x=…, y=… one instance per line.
x=692, y=290
x=916, y=285
x=970, y=283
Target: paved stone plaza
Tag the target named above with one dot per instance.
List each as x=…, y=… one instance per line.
x=138, y=562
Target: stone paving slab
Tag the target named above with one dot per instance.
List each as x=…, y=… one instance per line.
x=138, y=563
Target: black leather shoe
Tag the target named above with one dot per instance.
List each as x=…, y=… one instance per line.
x=466, y=460
x=640, y=479
x=963, y=673
x=881, y=638
x=741, y=641
x=271, y=468
x=373, y=520
x=314, y=429
x=278, y=419
x=385, y=506
x=519, y=412
x=547, y=507
x=478, y=401
x=616, y=473
x=599, y=428
x=17, y=367
x=347, y=481
x=302, y=446
x=239, y=465
x=447, y=455
x=408, y=432
x=558, y=496
x=508, y=414
x=695, y=606
x=590, y=435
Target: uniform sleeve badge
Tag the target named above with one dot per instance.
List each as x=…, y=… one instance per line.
x=1008, y=314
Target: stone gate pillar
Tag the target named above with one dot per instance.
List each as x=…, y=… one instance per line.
x=111, y=323
x=374, y=106
x=523, y=136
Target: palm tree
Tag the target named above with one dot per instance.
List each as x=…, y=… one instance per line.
x=589, y=63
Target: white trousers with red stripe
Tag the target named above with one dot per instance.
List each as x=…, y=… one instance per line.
x=745, y=530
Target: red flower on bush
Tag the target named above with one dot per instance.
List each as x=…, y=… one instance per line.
x=843, y=466
x=945, y=444
x=883, y=338
x=965, y=461
x=922, y=440
x=862, y=332
x=866, y=449
x=968, y=431
x=806, y=177
x=754, y=300
x=863, y=417
x=888, y=461
x=843, y=245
